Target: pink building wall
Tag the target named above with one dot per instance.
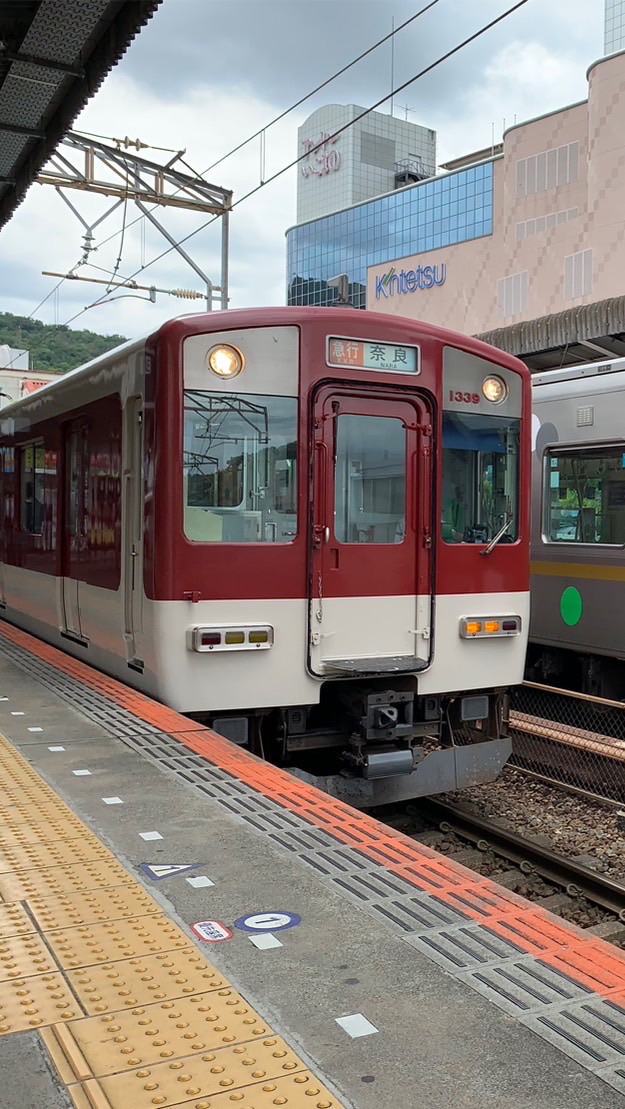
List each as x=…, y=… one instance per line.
x=558, y=222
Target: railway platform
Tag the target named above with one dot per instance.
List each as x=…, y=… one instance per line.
x=184, y=925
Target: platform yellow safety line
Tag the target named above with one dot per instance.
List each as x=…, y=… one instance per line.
x=132, y=1014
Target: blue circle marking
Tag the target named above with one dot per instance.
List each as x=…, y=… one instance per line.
x=276, y=921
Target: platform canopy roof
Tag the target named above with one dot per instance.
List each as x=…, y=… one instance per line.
x=584, y=333
x=54, y=55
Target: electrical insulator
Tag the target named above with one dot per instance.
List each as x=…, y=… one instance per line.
x=188, y=294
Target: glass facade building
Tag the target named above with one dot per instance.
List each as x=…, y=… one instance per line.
x=439, y=212
x=614, y=26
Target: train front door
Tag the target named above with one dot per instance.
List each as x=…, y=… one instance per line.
x=370, y=589
x=133, y=532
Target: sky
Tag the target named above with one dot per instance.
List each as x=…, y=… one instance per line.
x=204, y=75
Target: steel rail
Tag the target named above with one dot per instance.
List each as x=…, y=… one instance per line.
x=575, y=878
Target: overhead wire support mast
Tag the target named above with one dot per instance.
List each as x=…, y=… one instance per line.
x=112, y=172
x=184, y=294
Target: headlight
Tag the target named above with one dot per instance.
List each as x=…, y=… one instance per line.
x=494, y=389
x=225, y=361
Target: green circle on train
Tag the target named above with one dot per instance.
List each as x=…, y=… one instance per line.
x=571, y=606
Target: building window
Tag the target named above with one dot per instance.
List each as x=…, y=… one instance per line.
x=548, y=170
x=513, y=294
x=584, y=495
x=578, y=274
x=544, y=223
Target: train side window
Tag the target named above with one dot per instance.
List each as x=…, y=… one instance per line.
x=32, y=488
x=240, y=468
x=584, y=495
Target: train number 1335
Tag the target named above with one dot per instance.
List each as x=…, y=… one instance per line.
x=464, y=398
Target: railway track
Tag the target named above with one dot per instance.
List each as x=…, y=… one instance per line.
x=564, y=886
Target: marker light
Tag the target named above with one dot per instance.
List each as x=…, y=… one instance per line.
x=225, y=361
x=494, y=389
x=240, y=637
x=489, y=627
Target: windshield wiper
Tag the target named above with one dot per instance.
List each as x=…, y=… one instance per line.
x=494, y=541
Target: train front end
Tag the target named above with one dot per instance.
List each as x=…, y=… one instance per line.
x=341, y=506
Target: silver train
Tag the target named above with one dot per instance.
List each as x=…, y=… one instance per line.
x=577, y=628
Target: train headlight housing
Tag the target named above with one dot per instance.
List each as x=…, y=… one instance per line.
x=225, y=361
x=494, y=389
x=489, y=627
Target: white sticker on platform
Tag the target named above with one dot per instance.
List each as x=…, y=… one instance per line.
x=211, y=931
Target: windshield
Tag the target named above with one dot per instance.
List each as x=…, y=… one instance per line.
x=480, y=477
x=240, y=468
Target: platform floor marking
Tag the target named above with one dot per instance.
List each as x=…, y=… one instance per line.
x=78, y=935
x=265, y=941
x=200, y=881
x=356, y=1025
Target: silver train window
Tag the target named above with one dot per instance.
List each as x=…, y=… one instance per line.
x=584, y=495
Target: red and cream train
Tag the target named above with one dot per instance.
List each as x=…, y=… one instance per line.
x=307, y=527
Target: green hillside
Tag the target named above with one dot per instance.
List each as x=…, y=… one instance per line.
x=53, y=349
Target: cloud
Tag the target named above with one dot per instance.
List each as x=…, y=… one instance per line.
x=204, y=75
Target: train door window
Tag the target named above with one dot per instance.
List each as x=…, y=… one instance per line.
x=480, y=477
x=584, y=495
x=370, y=497
x=240, y=468
x=32, y=472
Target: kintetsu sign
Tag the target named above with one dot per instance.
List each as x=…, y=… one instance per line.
x=320, y=160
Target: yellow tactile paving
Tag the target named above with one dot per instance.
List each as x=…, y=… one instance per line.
x=39, y=856
x=152, y=1034
x=78, y=934
x=115, y=939
x=298, y=1091
x=62, y=879
x=102, y=989
x=23, y=812
x=91, y=906
x=14, y=921
x=214, y=1072
x=49, y=831
x=36, y=1001
x=24, y=955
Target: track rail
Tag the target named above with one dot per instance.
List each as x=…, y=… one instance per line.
x=575, y=878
